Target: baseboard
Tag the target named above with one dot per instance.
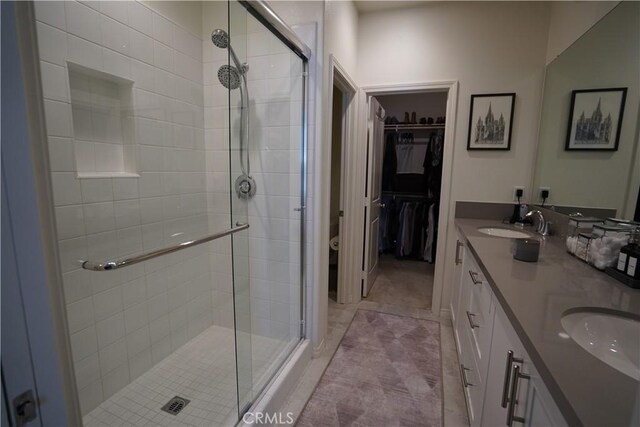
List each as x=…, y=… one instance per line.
x=445, y=315
x=320, y=348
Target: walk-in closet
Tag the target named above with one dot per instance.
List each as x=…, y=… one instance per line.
x=414, y=129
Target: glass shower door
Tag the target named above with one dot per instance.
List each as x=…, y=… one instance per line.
x=242, y=189
x=266, y=81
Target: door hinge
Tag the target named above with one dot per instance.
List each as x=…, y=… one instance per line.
x=25, y=408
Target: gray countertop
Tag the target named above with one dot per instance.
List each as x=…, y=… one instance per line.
x=534, y=296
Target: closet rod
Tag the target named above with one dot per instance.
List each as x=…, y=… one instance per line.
x=400, y=127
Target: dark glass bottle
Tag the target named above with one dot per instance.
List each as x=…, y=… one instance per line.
x=625, y=252
x=633, y=262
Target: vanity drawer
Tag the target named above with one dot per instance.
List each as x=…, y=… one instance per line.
x=479, y=325
x=480, y=287
x=472, y=381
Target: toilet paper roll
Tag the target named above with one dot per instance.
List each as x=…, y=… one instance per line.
x=333, y=243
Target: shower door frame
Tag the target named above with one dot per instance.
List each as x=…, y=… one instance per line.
x=267, y=17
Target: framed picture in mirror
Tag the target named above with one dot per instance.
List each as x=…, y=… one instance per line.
x=595, y=119
x=490, y=121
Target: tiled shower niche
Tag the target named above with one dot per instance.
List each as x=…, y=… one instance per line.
x=103, y=123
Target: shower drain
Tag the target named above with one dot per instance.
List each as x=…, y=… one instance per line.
x=175, y=405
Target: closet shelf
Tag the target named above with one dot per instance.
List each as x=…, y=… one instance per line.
x=399, y=127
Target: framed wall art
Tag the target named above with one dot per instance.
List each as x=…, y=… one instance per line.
x=595, y=119
x=490, y=121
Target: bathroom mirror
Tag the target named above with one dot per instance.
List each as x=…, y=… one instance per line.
x=578, y=160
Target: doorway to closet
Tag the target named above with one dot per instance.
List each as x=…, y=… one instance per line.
x=404, y=175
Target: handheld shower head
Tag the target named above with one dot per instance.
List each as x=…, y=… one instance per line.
x=220, y=38
x=229, y=76
x=234, y=77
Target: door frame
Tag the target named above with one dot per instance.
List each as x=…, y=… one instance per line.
x=357, y=232
x=32, y=236
x=349, y=89
x=338, y=76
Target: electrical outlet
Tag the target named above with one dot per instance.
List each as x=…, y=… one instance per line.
x=515, y=192
x=540, y=196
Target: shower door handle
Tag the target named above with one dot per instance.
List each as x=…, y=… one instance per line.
x=119, y=263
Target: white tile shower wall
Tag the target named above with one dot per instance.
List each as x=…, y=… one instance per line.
x=122, y=322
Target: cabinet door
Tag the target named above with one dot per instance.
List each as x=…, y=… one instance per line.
x=515, y=394
x=457, y=272
x=503, y=350
x=460, y=291
x=472, y=382
x=540, y=409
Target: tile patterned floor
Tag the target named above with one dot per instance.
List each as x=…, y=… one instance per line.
x=386, y=372
x=407, y=283
x=203, y=371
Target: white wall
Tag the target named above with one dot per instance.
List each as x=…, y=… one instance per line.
x=341, y=34
x=489, y=48
x=571, y=19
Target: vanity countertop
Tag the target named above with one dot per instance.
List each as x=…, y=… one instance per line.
x=535, y=296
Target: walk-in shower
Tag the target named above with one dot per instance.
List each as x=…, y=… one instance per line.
x=183, y=291
x=235, y=77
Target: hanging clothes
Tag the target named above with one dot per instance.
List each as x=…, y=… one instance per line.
x=427, y=254
x=409, y=227
x=389, y=162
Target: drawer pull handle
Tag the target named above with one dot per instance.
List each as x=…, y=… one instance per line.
x=511, y=416
x=474, y=277
x=458, y=246
x=463, y=372
x=470, y=316
x=507, y=377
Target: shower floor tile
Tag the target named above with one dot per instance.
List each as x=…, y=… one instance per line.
x=202, y=371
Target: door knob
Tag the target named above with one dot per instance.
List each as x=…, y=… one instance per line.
x=25, y=408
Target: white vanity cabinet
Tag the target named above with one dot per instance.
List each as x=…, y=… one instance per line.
x=473, y=324
x=501, y=385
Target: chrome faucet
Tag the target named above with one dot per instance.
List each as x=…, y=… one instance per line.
x=543, y=225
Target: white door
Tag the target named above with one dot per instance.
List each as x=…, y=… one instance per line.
x=375, y=149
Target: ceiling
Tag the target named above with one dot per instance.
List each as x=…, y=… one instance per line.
x=377, y=5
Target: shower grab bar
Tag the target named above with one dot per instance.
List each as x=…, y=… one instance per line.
x=116, y=264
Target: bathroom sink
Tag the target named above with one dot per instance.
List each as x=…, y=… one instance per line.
x=613, y=337
x=503, y=232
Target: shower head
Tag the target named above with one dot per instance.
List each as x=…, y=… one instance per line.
x=220, y=38
x=229, y=76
